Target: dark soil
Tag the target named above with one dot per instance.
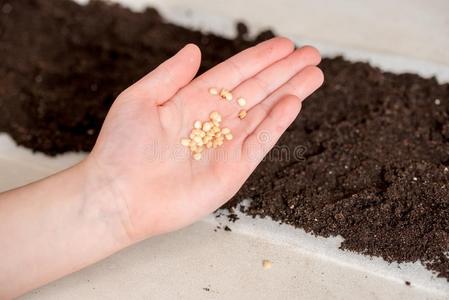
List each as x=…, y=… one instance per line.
x=376, y=168
x=63, y=64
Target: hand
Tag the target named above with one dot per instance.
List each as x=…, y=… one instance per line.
x=154, y=182
x=139, y=181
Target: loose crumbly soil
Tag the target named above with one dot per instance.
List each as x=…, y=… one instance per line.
x=376, y=165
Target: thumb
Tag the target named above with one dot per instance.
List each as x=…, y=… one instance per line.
x=163, y=82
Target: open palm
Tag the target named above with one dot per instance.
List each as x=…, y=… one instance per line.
x=155, y=184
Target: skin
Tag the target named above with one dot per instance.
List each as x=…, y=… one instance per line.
x=138, y=181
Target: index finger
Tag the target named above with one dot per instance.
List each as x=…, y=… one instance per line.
x=245, y=64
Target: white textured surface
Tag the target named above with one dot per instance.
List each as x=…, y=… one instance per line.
x=413, y=28
x=181, y=264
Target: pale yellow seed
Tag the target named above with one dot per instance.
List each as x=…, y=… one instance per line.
x=198, y=140
x=197, y=125
x=266, y=264
x=185, y=142
x=213, y=91
x=215, y=116
x=216, y=129
x=192, y=135
x=220, y=142
x=225, y=130
x=207, y=126
x=207, y=139
x=225, y=94
x=197, y=156
x=193, y=147
x=242, y=114
x=228, y=96
x=209, y=144
x=229, y=136
x=199, y=149
x=241, y=101
x=198, y=132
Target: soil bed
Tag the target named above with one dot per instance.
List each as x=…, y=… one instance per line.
x=376, y=165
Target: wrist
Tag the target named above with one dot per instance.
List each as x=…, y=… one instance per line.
x=104, y=202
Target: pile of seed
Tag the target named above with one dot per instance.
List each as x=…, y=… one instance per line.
x=208, y=134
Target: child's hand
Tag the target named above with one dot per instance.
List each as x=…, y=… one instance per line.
x=138, y=180
x=153, y=181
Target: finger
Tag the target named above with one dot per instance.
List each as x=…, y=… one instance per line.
x=164, y=81
x=245, y=64
x=258, y=87
x=266, y=135
x=301, y=85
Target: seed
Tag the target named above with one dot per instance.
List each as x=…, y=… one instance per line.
x=207, y=126
x=197, y=125
x=213, y=91
x=228, y=97
x=266, y=264
x=198, y=140
x=225, y=94
x=207, y=134
x=185, y=142
x=241, y=101
x=225, y=130
x=198, y=132
x=199, y=149
x=242, y=114
x=215, y=116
